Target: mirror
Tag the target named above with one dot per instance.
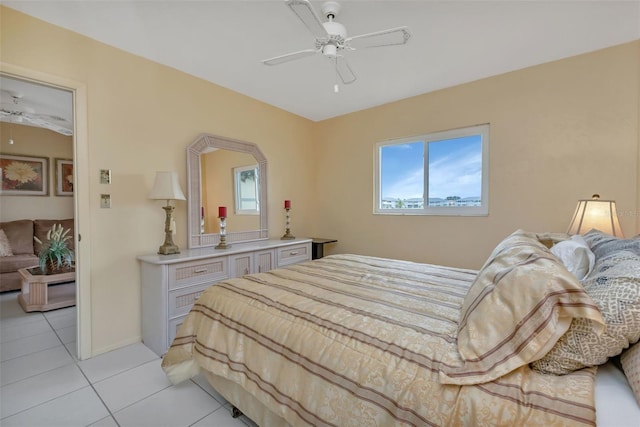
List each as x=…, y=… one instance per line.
x=212, y=165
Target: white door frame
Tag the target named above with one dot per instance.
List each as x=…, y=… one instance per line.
x=81, y=199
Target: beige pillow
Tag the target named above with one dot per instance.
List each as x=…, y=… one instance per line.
x=614, y=285
x=522, y=301
x=630, y=361
x=5, y=247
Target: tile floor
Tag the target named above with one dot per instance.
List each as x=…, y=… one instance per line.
x=43, y=384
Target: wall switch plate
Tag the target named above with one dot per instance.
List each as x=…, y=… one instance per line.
x=105, y=201
x=105, y=176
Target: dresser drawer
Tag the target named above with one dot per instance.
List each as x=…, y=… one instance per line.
x=294, y=254
x=207, y=270
x=181, y=300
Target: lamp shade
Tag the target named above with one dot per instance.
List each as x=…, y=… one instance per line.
x=166, y=187
x=598, y=214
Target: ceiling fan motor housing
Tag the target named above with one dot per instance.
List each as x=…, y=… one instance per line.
x=337, y=35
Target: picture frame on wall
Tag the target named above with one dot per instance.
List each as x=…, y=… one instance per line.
x=24, y=175
x=64, y=177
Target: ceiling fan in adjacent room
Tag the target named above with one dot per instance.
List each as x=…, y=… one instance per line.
x=332, y=40
x=14, y=109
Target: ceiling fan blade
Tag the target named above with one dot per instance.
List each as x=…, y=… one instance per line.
x=390, y=37
x=289, y=57
x=344, y=70
x=47, y=125
x=25, y=119
x=305, y=12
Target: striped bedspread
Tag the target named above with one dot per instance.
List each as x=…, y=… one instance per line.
x=358, y=341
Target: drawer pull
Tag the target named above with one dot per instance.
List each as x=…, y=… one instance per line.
x=200, y=270
x=293, y=253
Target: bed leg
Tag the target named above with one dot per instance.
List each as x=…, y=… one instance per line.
x=235, y=412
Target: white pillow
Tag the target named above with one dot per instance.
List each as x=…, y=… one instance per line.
x=575, y=255
x=5, y=247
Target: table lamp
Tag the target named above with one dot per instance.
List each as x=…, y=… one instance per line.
x=598, y=214
x=166, y=187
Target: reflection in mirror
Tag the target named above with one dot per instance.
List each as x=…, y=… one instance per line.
x=212, y=165
x=246, y=184
x=219, y=188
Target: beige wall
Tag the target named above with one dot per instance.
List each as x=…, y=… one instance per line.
x=560, y=132
x=141, y=117
x=32, y=141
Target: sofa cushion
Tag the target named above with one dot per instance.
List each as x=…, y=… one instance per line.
x=20, y=235
x=42, y=226
x=13, y=263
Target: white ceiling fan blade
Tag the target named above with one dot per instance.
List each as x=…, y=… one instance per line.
x=344, y=70
x=25, y=119
x=289, y=57
x=47, y=125
x=305, y=12
x=390, y=37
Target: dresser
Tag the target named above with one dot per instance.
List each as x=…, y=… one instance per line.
x=172, y=283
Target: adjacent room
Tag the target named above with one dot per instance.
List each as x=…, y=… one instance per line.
x=320, y=213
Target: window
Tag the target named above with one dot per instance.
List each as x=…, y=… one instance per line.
x=443, y=173
x=246, y=190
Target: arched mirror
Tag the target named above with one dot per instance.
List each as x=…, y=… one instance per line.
x=231, y=173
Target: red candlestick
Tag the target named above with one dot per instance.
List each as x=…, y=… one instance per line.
x=222, y=211
x=287, y=204
x=202, y=212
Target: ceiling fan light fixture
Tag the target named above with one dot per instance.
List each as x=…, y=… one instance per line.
x=330, y=50
x=10, y=130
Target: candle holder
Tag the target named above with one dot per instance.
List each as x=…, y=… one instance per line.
x=287, y=233
x=223, y=234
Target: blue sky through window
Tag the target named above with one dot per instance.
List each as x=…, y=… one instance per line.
x=455, y=169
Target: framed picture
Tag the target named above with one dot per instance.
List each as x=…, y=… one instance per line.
x=24, y=175
x=64, y=177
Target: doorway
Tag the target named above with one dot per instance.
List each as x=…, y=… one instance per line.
x=77, y=203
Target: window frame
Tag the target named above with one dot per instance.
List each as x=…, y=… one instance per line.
x=482, y=210
x=237, y=184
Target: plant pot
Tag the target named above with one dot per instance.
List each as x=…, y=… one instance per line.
x=53, y=268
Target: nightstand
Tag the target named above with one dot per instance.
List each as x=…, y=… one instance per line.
x=317, y=246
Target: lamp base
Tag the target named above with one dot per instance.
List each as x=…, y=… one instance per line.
x=288, y=236
x=223, y=245
x=168, y=249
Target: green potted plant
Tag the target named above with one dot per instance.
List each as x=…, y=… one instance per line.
x=55, y=256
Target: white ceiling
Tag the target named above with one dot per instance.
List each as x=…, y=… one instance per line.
x=452, y=42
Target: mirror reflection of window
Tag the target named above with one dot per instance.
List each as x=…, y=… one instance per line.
x=246, y=190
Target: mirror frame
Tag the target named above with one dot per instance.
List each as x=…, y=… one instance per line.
x=203, y=144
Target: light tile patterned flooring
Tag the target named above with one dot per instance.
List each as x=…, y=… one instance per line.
x=43, y=384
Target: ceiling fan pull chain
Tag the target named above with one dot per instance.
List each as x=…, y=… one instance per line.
x=336, y=88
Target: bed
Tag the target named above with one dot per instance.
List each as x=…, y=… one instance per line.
x=350, y=340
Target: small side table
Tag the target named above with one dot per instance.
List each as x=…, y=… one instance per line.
x=317, y=246
x=36, y=294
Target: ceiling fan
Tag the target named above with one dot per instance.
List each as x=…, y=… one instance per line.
x=14, y=111
x=331, y=38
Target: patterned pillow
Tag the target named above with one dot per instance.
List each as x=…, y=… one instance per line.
x=5, y=247
x=630, y=361
x=614, y=285
x=521, y=302
x=603, y=244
